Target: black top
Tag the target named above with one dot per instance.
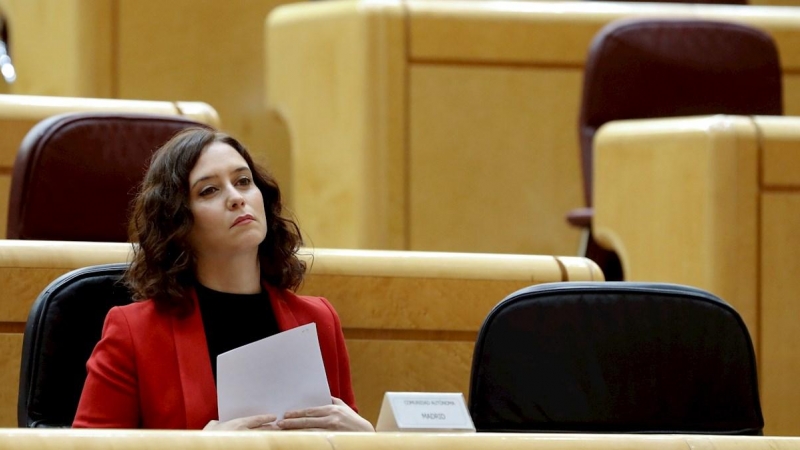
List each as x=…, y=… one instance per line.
x=234, y=320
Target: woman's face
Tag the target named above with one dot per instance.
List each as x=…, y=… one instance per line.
x=227, y=206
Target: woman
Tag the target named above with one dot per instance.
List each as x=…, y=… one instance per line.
x=214, y=270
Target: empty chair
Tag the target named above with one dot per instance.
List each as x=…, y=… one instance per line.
x=64, y=324
x=76, y=174
x=646, y=68
x=614, y=357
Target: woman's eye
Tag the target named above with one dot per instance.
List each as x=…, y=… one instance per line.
x=207, y=191
x=244, y=181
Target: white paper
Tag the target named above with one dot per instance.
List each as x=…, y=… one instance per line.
x=281, y=373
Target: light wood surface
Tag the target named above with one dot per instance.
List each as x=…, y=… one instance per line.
x=451, y=125
x=713, y=202
x=19, y=113
x=410, y=318
x=780, y=334
x=25, y=439
x=477, y=153
x=206, y=50
x=357, y=87
x=60, y=47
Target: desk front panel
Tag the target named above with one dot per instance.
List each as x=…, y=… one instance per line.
x=452, y=125
x=410, y=320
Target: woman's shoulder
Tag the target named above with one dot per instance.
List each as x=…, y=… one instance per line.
x=305, y=300
x=143, y=310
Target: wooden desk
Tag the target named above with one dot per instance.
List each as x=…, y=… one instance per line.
x=714, y=202
x=451, y=125
x=410, y=318
x=19, y=113
x=38, y=439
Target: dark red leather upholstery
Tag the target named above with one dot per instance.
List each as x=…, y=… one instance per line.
x=76, y=174
x=646, y=68
x=667, y=68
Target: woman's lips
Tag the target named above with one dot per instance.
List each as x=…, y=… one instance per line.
x=247, y=218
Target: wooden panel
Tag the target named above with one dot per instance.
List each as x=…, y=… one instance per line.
x=559, y=32
x=10, y=357
x=207, y=50
x=412, y=303
x=488, y=170
x=791, y=94
x=780, y=348
x=780, y=152
x=404, y=314
x=474, y=79
x=61, y=47
x=677, y=200
x=379, y=366
x=338, y=78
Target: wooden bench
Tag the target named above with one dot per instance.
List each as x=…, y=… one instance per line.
x=410, y=318
x=714, y=202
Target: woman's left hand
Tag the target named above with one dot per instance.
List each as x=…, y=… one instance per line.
x=334, y=417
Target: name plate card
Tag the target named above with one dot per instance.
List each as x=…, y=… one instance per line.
x=424, y=411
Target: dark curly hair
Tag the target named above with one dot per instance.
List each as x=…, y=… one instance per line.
x=163, y=265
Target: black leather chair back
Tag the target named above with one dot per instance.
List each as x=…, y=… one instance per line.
x=64, y=324
x=614, y=357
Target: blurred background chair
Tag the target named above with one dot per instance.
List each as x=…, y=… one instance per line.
x=647, y=68
x=76, y=174
x=64, y=324
x=614, y=357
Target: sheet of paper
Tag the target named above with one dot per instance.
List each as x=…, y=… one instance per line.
x=281, y=373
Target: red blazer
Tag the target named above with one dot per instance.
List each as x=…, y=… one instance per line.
x=152, y=370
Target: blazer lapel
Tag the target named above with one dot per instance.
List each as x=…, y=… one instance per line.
x=194, y=364
x=283, y=311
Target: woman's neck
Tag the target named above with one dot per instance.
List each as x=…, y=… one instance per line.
x=239, y=274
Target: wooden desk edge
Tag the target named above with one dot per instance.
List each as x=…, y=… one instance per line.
x=70, y=255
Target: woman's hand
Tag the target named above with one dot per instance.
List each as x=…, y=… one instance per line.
x=260, y=422
x=334, y=417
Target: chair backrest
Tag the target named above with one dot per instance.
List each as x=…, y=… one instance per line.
x=76, y=174
x=63, y=326
x=614, y=357
x=646, y=68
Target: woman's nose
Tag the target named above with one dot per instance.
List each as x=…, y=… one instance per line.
x=235, y=198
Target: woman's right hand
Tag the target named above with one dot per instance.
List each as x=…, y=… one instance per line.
x=259, y=422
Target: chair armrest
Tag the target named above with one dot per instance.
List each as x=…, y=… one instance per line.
x=580, y=217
